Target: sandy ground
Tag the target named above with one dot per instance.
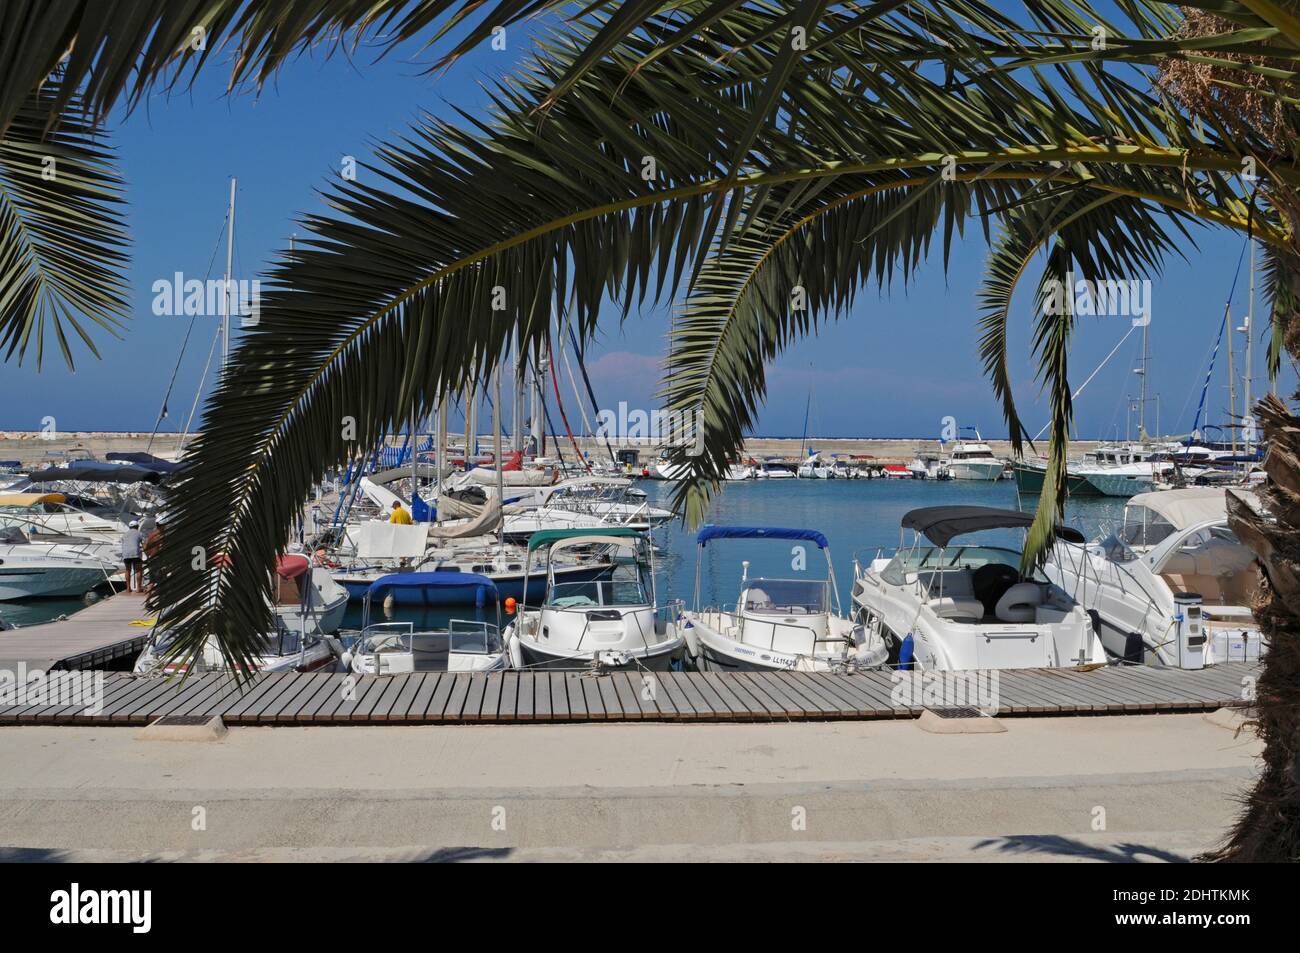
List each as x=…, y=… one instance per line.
x=1121, y=788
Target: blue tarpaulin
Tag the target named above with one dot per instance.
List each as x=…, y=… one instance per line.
x=760, y=532
x=432, y=580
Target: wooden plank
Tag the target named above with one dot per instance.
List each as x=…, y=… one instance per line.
x=288, y=704
x=325, y=698
x=838, y=704
x=591, y=696
x=660, y=703
x=251, y=695
x=401, y=707
x=419, y=704
x=877, y=690
x=474, y=698
x=202, y=688
x=628, y=700
x=559, y=685
x=289, y=683
x=732, y=706
x=136, y=688
x=460, y=686
x=766, y=689
x=524, y=685
x=338, y=708
x=436, y=710
x=384, y=703
x=366, y=687
x=670, y=693
x=807, y=695
x=1018, y=691
x=490, y=710
x=700, y=706
x=135, y=710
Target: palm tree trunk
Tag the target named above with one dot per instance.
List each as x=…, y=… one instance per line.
x=1268, y=829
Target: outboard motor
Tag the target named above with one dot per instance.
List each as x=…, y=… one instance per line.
x=1191, y=638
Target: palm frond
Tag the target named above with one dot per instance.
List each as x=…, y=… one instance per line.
x=62, y=237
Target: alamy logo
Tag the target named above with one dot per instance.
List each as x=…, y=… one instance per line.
x=667, y=428
x=191, y=297
x=1106, y=297
x=77, y=906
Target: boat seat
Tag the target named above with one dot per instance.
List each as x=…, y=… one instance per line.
x=950, y=594
x=1020, y=603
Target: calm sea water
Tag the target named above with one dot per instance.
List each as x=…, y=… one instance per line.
x=856, y=516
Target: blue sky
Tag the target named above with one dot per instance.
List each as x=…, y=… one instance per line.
x=895, y=366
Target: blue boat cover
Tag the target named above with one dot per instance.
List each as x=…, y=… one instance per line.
x=431, y=580
x=760, y=532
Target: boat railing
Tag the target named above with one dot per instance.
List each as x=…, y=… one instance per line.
x=877, y=553
x=744, y=622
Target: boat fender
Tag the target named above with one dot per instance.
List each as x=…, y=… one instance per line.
x=1134, y=648
x=905, y=654
x=516, y=653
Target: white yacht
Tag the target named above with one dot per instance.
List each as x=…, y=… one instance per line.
x=309, y=608
x=973, y=460
x=777, y=624
x=773, y=470
x=968, y=606
x=1172, y=586
x=612, y=623
x=464, y=645
x=54, y=515
x=1125, y=470
x=814, y=468
x=30, y=570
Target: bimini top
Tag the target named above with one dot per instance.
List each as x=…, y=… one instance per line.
x=547, y=536
x=431, y=580
x=1187, y=507
x=92, y=471
x=760, y=532
x=939, y=524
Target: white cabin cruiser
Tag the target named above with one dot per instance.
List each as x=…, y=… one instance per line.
x=973, y=460
x=1172, y=586
x=814, y=468
x=396, y=648
x=610, y=623
x=773, y=470
x=777, y=624
x=30, y=570
x=963, y=607
x=53, y=515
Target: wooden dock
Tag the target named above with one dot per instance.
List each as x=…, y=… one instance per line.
x=537, y=696
x=98, y=636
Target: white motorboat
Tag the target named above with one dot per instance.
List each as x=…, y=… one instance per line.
x=927, y=465
x=309, y=607
x=583, y=501
x=51, y=513
x=464, y=645
x=773, y=470
x=30, y=570
x=1172, y=586
x=814, y=468
x=777, y=624
x=612, y=623
x=973, y=460
x=968, y=607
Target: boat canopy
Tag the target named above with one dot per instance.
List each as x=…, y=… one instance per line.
x=93, y=471
x=431, y=580
x=1186, y=507
x=147, y=460
x=760, y=532
x=29, y=499
x=292, y=565
x=939, y=524
x=547, y=536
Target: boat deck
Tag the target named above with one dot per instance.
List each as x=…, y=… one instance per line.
x=95, y=637
x=536, y=696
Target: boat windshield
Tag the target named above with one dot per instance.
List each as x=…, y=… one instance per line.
x=606, y=592
x=788, y=596
x=1144, y=528
x=908, y=562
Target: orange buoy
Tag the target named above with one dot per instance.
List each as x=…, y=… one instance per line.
x=510, y=605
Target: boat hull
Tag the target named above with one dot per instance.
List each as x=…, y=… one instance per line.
x=659, y=660
x=1029, y=479
x=958, y=470
x=34, y=583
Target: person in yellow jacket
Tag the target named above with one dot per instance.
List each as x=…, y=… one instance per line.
x=400, y=514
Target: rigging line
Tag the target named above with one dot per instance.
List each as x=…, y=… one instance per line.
x=1227, y=310
x=199, y=393
x=559, y=404
x=162, y=411
x=1094, y=373
x=591, y=392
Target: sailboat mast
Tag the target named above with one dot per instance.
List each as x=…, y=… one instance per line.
x=496, y=448
x=1250, y=349
x=1142, y=371
x=225, y=286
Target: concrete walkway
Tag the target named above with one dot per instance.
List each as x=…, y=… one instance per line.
x=1151, y=787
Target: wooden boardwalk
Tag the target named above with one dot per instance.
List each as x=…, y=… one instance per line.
x=95, y=637
x=533, y=696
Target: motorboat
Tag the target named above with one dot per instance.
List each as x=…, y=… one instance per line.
x=612, y=623
x=463, y=645
x=773, y=470
x=927, y=465
x=1173, y=585
x=944, y=607
x=973, y=460
x=585, y=501
x=30, y=570
x=777, y=624
x=309, y=608
x=51, y=514
x=814, y=468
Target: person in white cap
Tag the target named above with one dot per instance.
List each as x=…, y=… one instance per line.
x=131, y=540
